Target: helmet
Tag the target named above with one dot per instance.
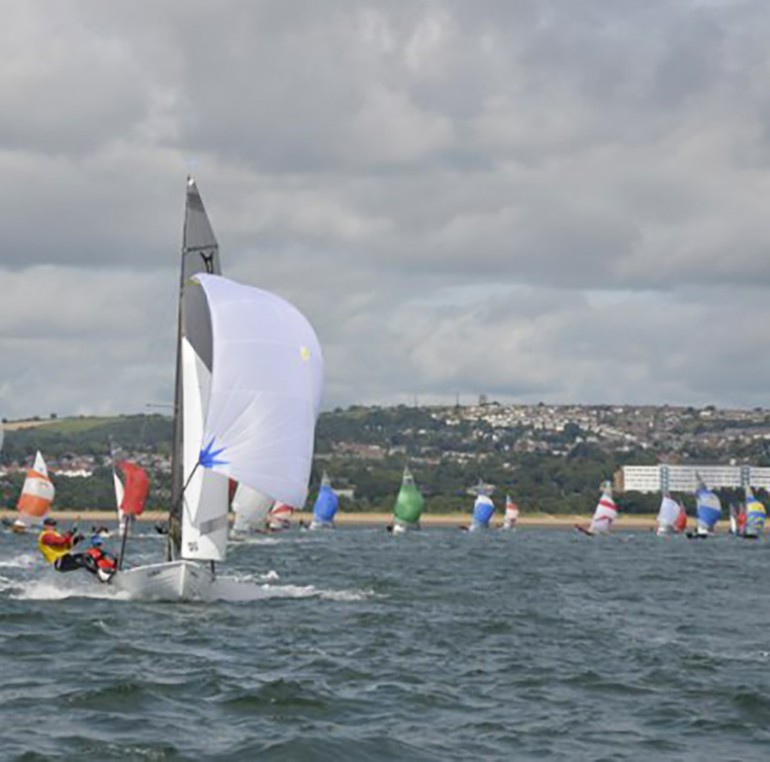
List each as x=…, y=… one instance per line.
x=49, y=522
x=96, y=541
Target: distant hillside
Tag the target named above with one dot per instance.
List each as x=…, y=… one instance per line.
x=87, y=435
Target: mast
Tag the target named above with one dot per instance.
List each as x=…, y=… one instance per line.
x=200, y=254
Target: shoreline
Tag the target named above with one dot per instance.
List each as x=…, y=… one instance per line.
x=375, y=519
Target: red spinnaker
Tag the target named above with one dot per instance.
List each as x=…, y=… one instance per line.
x=136, y=485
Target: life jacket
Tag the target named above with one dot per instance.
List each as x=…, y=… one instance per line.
x=101, y=559
x=53, y=545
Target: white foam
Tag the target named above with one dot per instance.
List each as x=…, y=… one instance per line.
x=52, y=590
x=239, y=590
x=21, y=560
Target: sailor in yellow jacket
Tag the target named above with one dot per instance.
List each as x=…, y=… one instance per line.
x=57, y=547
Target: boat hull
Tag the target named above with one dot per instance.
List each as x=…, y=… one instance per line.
x=320, y=524
x=174, y=581
x=399, y=526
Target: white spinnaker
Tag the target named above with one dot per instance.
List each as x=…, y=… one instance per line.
x=265, y=390
x=205, y=497
x=668, y=512
x=250, y=508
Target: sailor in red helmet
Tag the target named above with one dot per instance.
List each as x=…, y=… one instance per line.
x=98, y=561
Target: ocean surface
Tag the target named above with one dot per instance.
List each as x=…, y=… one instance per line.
x=357, y=645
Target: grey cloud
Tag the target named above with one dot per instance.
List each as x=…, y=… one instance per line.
x=548, y=200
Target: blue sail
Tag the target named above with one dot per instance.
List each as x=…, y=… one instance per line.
x=709, y=509
x=326, y=505
x=483, y=510
x=755, y=515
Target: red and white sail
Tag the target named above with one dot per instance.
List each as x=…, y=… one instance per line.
x=37, y=493
x=681, y=520
x=280, y=516
x=511, y=513
x=605, y=514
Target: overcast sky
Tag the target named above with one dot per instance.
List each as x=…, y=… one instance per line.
x=540, y=200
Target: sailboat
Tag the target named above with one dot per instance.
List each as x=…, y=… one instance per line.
x=251, y=508
x=248, y=392
x=279, y=516
x=409, y=505
x=325, y=506
x=511, y=514
x=36, y=497
x=130, y=491
x=605, y=514
x=755, y=516
x=708, y=509
x=672, y=518
x=483, y=510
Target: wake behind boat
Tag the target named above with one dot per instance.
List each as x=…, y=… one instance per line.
x=247, y=396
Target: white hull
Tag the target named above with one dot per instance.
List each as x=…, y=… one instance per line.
x=399, y=527
x=174, y=580
x=664, y=529
x=321, y=524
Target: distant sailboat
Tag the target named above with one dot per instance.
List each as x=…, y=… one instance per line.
x=483, y=510
x=511, y=514
x=708, y=509
x=279, y=516
x=671, y=516
x=325, y=506
x=409, y=505
x=251, y=509
x=755, y=516
x=36, y=497
x=249, y=376
x=605, y=514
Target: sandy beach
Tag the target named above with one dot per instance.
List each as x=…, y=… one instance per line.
x=374, y=519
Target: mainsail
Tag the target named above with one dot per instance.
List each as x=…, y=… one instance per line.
x=409, y=503
x=251, y=400
x=708, y=508
x=755, y=515
x=37, y=493
x=606, y=512
x=200, y=254
x=325, y=506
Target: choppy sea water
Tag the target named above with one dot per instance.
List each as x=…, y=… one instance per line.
x=439, y=645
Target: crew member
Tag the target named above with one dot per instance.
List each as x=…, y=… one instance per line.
x=57, y=547
x=98, y=561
